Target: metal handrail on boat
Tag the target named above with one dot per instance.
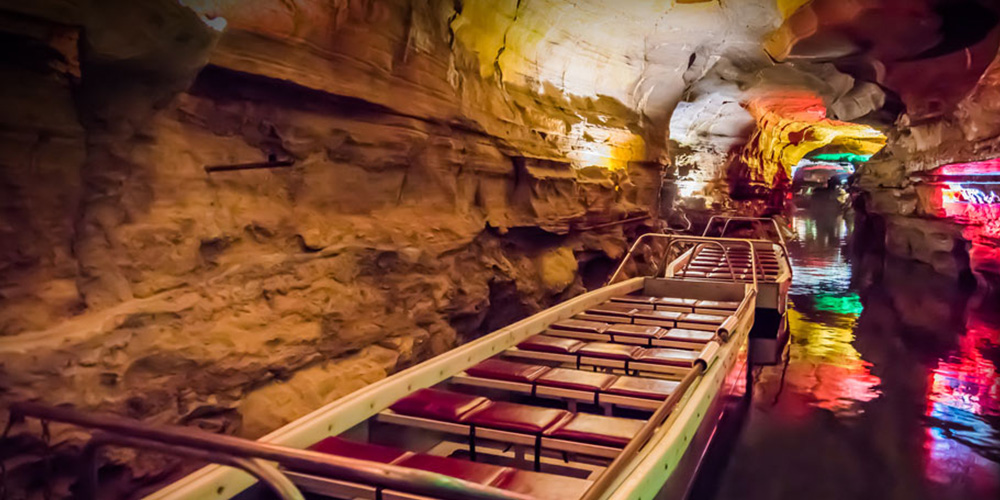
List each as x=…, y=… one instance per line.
x=264, y=472
x=728, y=219
x=246, y=454
x=607, y=477
x=674, y=239
x=777, y=230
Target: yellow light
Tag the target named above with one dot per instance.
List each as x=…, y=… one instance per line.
x=591, y=145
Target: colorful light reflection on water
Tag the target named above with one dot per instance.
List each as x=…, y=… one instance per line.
x=890, y=390
x=825, y=370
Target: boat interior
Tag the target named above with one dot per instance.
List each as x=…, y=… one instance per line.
x=548, y=415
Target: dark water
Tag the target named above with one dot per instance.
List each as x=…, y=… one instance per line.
x=890, y=390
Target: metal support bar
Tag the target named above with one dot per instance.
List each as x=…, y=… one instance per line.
x=617, y=466
x=674, y=239
x=310, y=462
x=266, y=473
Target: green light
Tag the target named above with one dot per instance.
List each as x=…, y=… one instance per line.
x=841, y=157
x=849, y=305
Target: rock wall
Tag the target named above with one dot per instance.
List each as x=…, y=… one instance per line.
x=426, y=204
x=915, y=226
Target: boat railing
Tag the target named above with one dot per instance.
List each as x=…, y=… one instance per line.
x=698, y=242
x=782, y=244
x=729, y=218
x=254, y=457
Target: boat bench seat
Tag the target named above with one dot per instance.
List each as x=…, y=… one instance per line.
x=517, y=423
x=536, y=484
x=725, y=276
x=541, y=375
x=618, y=352
x=516, y=417
x=568, y=384
x=606, y=354
x=676, y=304
x=737, y=265
x=594, y=321
x=641, y=335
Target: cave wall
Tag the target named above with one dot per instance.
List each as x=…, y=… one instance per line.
x=427, y=204
x=915, y=227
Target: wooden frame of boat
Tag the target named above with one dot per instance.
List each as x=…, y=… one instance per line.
x=657, y=452
x=770, y=333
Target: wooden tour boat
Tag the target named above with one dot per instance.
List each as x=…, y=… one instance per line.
x=614, y=394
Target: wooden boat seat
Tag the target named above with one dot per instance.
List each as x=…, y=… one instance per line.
x=570, y=385
x=666, y=319
x=580, y=325
x=644, y=332
x=608, y=350
x=708, y=319
x=597, y=429
x=513, y=371
x=440, y=405
x=361, y=451
x=515, y=417
x=475, y=472
x=668, y=356
x=613, y=309
x=643, y=387
x=511, y=423
x=536, y=484
x=642, y=335
x=548, y=343
x=608, y=354
x=689, y=335
x=576, y=379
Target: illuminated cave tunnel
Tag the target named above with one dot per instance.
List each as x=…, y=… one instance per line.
x=226, y=214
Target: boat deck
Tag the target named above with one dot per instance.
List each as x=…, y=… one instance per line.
x=543, y=417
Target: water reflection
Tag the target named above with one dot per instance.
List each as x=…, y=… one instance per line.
x=890, y=390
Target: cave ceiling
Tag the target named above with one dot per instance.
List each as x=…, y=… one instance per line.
x=603, y=83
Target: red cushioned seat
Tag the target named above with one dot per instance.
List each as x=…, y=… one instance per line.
x=686, y=335
x=516, y=417
x=603, y=319
x=499, y=369
x=548, y=343
x=576, y=325
x=576, y=379
x=462, y=469
x=709, y=319
x=640, y=331
x=613, y=310
x=439, y=405
x=361, y=451
x=665, y=319
x=641, y=387
x=597, y=429
x=718, y=304
x=543, y=486
x=634, y=299
x=608, y=350
x=659, y=315
x=674, y=301
x=668, y=356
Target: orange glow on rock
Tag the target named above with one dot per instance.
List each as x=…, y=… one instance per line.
x=790, y=125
